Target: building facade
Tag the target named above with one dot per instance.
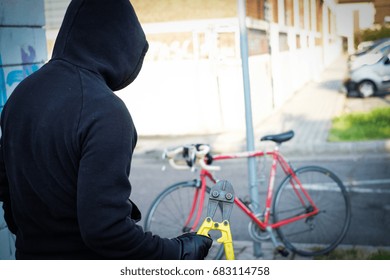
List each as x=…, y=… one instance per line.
x=194, y=59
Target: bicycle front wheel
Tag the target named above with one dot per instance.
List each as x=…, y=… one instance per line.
x=168, y=215
x=320, y=233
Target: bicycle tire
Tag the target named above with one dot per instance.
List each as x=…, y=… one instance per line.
x=169, y=211
x=321, y=233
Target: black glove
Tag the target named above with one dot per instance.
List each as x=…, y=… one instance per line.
x=193, y=246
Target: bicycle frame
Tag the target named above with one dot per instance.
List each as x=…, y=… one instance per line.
x=277, y=158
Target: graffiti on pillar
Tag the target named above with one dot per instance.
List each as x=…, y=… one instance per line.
x=28, y=67
x=28, y=56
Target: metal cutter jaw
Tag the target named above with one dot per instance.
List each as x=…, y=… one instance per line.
x=222, y=195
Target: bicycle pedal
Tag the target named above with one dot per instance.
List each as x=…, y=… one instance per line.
x=283, y=251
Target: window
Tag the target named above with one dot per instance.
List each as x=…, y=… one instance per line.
x=289, y=12
x=257, y=40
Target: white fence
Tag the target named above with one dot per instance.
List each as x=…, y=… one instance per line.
x=205, y=95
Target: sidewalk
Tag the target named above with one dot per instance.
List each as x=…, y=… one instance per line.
x=308, y=112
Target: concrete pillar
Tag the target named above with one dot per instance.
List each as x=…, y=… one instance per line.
x=22, y=51
x=22, y=42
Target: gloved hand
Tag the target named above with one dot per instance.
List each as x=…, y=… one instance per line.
x=193, y=246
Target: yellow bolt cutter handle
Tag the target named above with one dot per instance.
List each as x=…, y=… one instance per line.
x=226, y=238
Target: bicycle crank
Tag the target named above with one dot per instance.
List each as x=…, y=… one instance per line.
x=255, y=232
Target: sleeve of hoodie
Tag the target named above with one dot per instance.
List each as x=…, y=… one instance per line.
x=104, y=211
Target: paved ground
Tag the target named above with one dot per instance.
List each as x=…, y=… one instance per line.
x=244, y=251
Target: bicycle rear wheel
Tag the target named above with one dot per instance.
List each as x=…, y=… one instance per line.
x=170, y=210
x=321, y=233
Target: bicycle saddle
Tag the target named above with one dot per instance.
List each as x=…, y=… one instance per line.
x=279, y=138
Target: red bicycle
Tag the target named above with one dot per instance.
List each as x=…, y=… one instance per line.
x=310, y=209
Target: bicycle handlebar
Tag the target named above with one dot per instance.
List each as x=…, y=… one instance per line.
x=197, y=156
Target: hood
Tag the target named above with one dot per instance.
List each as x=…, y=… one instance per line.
x=103, y=36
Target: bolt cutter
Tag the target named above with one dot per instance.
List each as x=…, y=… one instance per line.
x=221, y=195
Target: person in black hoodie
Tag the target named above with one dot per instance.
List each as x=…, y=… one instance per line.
x=67, y=144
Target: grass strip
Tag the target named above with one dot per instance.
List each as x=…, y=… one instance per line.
x=373, y=125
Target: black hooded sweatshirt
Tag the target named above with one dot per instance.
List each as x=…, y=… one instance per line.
x=67, y=143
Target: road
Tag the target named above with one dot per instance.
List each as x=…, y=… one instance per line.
x=366, y=177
